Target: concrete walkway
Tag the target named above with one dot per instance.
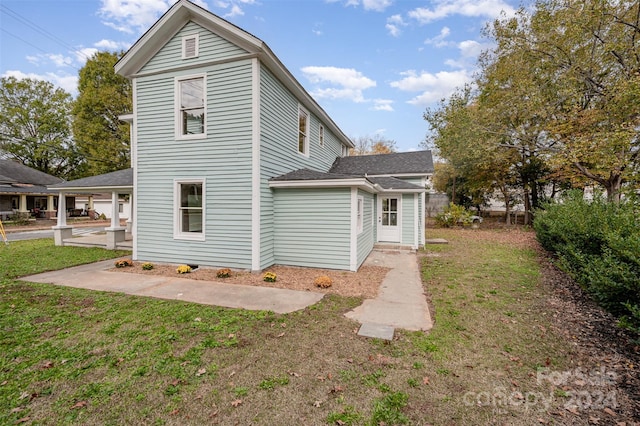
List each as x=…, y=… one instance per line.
x=95, y=276
x=401, y=302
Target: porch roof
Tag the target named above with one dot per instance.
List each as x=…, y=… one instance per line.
x=312, y=178
x=118, y=180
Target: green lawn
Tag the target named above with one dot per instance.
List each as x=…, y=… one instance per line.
x=71, y=356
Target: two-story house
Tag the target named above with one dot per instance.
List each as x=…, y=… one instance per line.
x=236, y=165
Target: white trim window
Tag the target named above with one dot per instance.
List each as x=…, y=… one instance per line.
x=303, y=131
x=189, y=204
x=190, y=46
x=360, y=213
x=321, y=135
x=191, y=107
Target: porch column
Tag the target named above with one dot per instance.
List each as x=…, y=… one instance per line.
x=115, y=233
x=50, y=212
x=130, y=219
x=61, y=231
x=90, y=209
x=23, y=212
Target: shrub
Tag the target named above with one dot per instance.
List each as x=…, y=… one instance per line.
x=323, y=281
x=598, y=244
x=269, y=277
x=183, y=269
x=147, y=266
x=123, y=263
x=453, y=215
x=223, y=273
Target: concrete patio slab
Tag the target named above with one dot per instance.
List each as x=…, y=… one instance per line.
x=376, y=331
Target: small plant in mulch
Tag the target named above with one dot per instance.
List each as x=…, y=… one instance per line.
x=269, y=277
x=147, y=266
x=323, y=281
x=123, y=263
x=223, y=273
x=183, y=269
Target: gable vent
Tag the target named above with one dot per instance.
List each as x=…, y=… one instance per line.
x=190, y=46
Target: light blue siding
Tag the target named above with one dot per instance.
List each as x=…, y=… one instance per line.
x=312, y=227
x=366, y=237
x=222, y=159
x=212, y=48
x=279, y=152
x=408, y=220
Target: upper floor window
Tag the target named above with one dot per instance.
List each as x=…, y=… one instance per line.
x=190, y=94
x=321, y=135
x=303, y=131
x=190, y=46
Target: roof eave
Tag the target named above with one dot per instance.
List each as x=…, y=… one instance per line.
x=361, y=183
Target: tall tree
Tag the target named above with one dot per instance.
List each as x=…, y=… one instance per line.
x=377, y=144
x=103, y=97
x=586, y=56
x=35, y=127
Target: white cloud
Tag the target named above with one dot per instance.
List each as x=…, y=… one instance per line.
x=346, y=83
x=469, y=50
x=132, y=16
x=112, y=45
x=394, y=23
x=376, y=5
x=433, y=87
x=69, y=83
x=471, y=8
x=441, y=39
x=382, y=105
x=85, y=53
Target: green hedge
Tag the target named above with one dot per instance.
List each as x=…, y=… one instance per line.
x=598, y=243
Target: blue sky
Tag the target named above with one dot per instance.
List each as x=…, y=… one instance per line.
x=373, y=65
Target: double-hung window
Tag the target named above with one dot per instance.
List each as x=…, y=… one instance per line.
x=189, y=202
x=303, y=131
x=191, y=110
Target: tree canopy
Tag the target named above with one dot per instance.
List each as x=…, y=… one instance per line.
x=368, y=145
x=35, y=127
x=556, y=101
x=103, y=96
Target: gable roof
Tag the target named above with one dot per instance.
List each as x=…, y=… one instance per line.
x=17, y=173
x=183, y=12
x=121, y=179
x=400, y=163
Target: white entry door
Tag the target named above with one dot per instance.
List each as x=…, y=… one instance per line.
x=389, y=218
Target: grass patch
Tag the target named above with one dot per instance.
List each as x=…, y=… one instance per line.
x=73, y=356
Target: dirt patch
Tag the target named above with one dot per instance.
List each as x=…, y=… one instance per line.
x=364, y=283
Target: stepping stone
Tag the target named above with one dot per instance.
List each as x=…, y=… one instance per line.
x=436, y=241
x=376, y=331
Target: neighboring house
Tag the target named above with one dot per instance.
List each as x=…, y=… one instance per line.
x=236, y=165
x=24, y=192
x=101, y=204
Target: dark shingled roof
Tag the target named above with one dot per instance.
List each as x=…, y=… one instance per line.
x=306, y=174
x=121, y=178
x=19, y=173
x=416, y=162
x=393, y=183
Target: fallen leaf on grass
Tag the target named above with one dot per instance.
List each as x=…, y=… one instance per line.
x=201, y=371
x=594, y=420
x=79, y=404
x=425, y=380
x=47, y=364
x=174, y=412
x=610, y=412
x=543, y=421
x=293, y=373
x=281, y=334
x=236, y=402
x=336, y=389
x=317, y=404
x=16, y=410
x=23, y=420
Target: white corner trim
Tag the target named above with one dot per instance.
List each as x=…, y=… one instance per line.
x=255, y=167
x=416, y=224
x=134, y=165
x=353, y=251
